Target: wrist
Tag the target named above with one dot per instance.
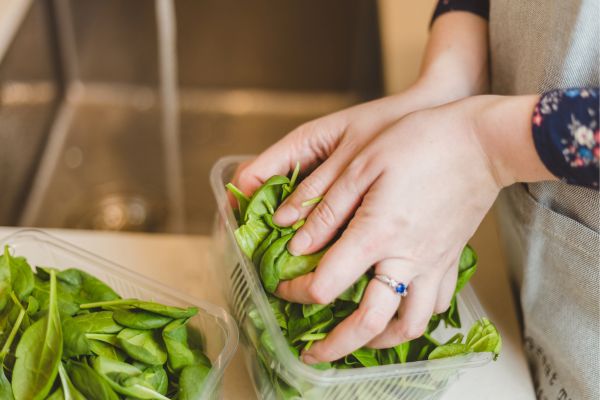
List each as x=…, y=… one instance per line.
x=502, y=125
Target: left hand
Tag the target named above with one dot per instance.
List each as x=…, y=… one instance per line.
x=413, y=197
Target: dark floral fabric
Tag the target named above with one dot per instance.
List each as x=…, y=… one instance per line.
x=566, y=134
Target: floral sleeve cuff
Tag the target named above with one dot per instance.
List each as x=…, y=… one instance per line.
x=566, y=136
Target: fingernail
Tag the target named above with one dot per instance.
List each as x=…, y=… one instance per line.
x=286, y=216
x=299, y=243
x=308, y=359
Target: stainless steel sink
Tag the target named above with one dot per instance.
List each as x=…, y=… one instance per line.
x=80, y=142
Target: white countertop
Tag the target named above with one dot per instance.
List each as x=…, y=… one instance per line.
x=184, y=262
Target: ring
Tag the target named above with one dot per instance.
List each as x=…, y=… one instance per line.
x=399, y=288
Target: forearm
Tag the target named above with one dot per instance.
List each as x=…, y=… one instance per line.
x=455, y=64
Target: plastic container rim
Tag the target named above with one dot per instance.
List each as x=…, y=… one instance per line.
x=293, y=366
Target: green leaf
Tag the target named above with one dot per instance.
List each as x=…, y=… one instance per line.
x=38, y=353
x=483, y=337
x=366, y=357
x=140, y=319
x=89, y=382
x=311, y=309
x=355, y=292
x=175, y=338
x=5, y=280
x=402, y=351
x=268, y=271
x=21, y=275
x=263, y=246
x=449, y=350
x=266, y=198
x=104, y=349
x=6, y=392
x=290, y=267
x=127, y=304
x=143, y=345
x=241, y=198
x=70, y=392
x=250, y=235
x=74, y=341
x=191, y=381
x=121, y=378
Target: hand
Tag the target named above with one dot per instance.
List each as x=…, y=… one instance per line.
x=414, y=196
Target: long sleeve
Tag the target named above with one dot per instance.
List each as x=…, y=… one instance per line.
x=478, y=7
x=566, y=134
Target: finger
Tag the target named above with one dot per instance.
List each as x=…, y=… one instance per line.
x=447, y=287
x=378, y=306
x=308, y=144
x=414, y=315
x=339, y=268
x=312, y=187
x=334, y=210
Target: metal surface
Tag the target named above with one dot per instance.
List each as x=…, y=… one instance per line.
x=249, y=72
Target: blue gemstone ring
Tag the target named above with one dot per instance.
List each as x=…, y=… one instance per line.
x=399, y=288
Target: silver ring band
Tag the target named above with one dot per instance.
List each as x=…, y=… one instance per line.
x=399, y=288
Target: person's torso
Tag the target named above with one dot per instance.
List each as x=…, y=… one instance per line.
x=551, y=229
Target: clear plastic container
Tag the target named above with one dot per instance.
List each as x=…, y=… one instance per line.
x=219, y=332
x=274, y=369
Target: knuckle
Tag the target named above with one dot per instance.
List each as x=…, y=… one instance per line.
x=372, y=321
x=411, y=331
x=309, y=188
x=318, y=294
x=324, y=215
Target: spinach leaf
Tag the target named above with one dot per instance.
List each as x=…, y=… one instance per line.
x=97, y=322
x=268, y=271
x=5, y=281
x=176, y=341
x=143, y=345
x=5, y=387
x=263, y=246
x=70, y=392
x=104, y=349
x=366, y=357
x=89, y=382
x=402, y=351
x=449, y=350
x=191, y=381
x=250, y=235
x=21, y=276
x=355, y=292
x=123, y=378
x=75, y=343
x=290, y=267
x=266, y=198
x=161, y=309
x=38, y=353
x=241, y=198
x=140, y=319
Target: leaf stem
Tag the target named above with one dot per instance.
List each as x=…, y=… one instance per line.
x=101, y=304
x=238, y=193
x=312, y=201
x=11, y=337
x=432, y=340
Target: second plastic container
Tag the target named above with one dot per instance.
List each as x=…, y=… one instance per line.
x=219, y=332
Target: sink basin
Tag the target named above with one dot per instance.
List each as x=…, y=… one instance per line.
x=249, y=72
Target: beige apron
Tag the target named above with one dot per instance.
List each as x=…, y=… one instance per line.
x=550, y=230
